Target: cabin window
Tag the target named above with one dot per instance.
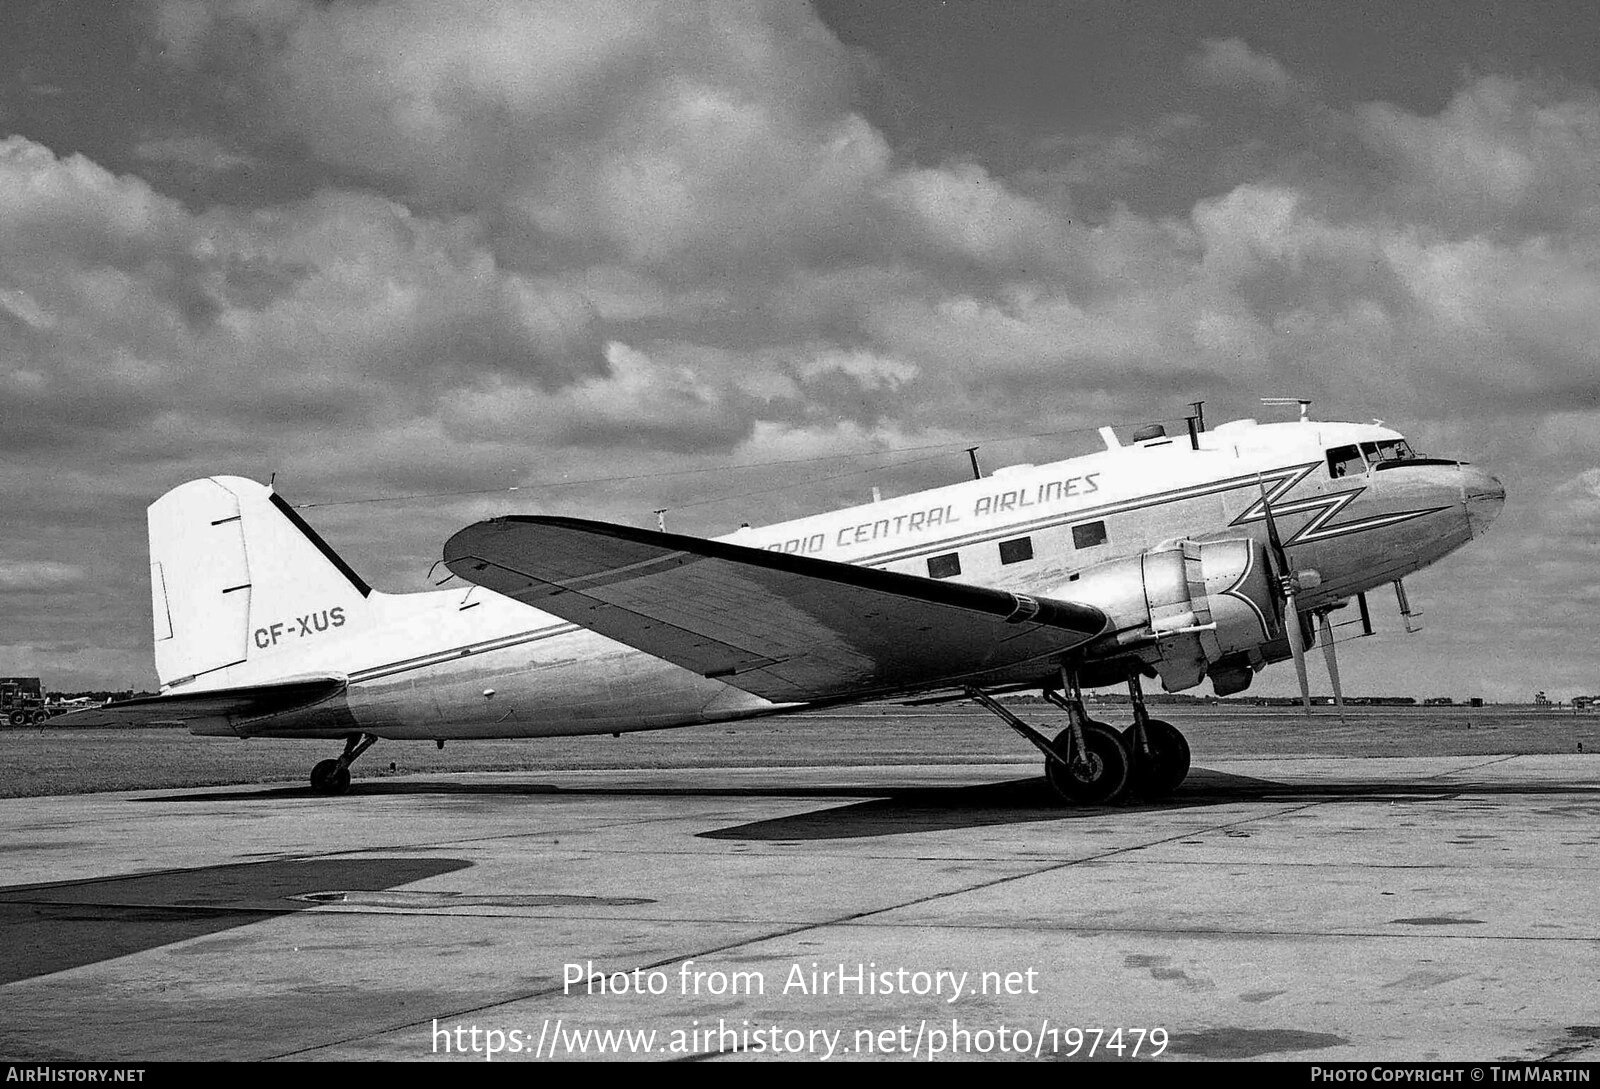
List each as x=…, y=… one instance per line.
x=1345, y=461
x=1016, y=551
x=944, y=567
x=1088, y=535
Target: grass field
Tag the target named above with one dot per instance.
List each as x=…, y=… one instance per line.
x=58, y=760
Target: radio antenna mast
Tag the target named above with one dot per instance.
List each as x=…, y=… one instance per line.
x=1303, y=402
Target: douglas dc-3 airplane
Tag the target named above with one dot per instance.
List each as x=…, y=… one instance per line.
x=1202, y=555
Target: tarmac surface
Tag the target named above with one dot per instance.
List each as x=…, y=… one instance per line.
x=1280, y=908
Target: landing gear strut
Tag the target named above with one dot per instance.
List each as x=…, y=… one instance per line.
x=1160, y=752
x=1090, y=763
x=333, y=776
x=1087, y=763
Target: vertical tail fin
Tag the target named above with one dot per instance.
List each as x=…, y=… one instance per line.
x=237, y=579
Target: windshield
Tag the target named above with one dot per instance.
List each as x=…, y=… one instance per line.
x=1388, y=450
x=1354, y=460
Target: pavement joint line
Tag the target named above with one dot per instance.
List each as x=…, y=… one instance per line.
x=1474, y=767
x=790, y=931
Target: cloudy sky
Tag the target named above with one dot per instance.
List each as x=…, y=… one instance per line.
x=631, y=255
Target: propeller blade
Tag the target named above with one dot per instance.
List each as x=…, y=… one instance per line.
x=1291, y=614
x=1278, y=551
x=1332, y=658
x=1297, y=645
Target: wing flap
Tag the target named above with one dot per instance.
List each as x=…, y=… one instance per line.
x=784, y=627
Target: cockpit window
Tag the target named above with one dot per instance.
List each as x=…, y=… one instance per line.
x=1387, y=450
x=1354, y=460
x=1345, y=461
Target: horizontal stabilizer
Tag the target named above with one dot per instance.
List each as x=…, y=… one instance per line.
x=219, y=705
x=785, y=627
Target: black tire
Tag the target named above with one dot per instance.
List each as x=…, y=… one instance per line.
x=1108, y=768
x=39, y=718
x=328, y=777
x=1160, y=773
x=18, y=718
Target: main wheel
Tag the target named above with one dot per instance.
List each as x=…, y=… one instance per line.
x=328, y=777
x=1159, y=774
x=1100, y=777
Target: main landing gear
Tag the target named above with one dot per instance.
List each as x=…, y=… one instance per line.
x=333, y=776
x=1090, y=762
x=1160, y=752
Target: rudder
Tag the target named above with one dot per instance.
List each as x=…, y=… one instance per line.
x=238, y=581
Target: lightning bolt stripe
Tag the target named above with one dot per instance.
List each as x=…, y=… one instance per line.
x=1316, y=530
x=1323, y=508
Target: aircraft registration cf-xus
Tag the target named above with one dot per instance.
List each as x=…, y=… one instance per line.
x=1202, y=555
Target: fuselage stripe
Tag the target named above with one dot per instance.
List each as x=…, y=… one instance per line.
x=505, y=642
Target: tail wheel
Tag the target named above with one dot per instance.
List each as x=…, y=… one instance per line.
x=330, y=777
x=1099, y=776
x=1159, y=774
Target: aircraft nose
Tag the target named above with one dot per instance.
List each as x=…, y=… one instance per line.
x=1484, y=496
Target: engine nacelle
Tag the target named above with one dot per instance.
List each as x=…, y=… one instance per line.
x=1183, y=607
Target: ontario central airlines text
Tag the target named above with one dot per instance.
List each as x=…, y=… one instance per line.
x=1017, y=499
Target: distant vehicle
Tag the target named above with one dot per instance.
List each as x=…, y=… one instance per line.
x=1209, y=555
x=1438, y=701
x=22, y=702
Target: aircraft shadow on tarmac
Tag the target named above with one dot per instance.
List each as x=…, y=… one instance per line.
x=1029, y=800
x=61, y=925
x=891, y=810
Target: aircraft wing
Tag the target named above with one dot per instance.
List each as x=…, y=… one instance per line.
x=787, y=628
x=219, y=705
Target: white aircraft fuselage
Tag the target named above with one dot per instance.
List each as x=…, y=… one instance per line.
x=1349, y=501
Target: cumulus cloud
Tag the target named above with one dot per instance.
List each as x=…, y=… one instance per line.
x=657, y=130
x=964, y=210
x=1229, y=62
x=127, y=303
x=1506, y=157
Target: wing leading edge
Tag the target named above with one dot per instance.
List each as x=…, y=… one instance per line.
x=784, y=627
